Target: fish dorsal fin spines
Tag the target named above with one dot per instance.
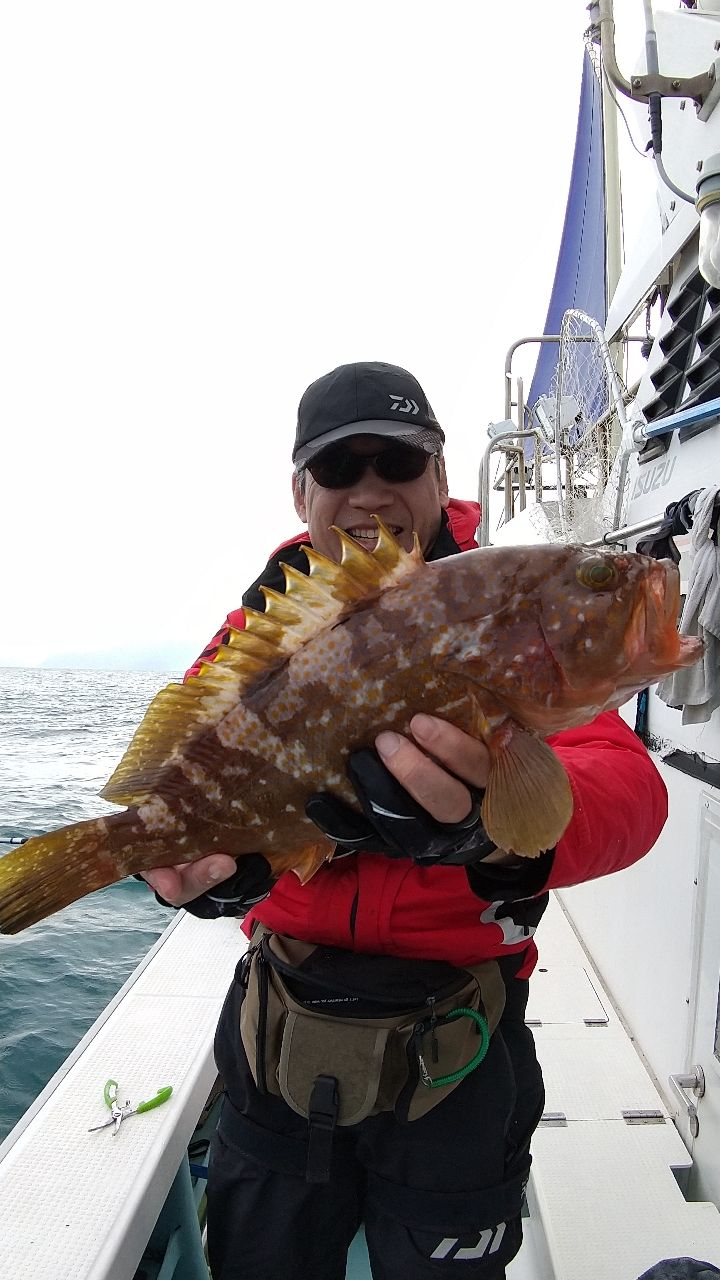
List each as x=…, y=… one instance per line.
x=310, y=603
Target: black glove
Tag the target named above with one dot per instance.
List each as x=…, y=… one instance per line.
x=393, y=823
x=233, y=897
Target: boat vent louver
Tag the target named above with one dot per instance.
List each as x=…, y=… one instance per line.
x=690, y=373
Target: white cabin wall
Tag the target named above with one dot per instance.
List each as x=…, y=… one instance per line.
x=637, y=926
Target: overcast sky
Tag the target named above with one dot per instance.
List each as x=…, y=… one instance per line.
x=206, y=207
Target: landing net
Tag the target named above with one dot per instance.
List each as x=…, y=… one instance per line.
x=582, y=420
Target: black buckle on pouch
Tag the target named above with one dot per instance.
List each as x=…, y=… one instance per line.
x=322, y=1119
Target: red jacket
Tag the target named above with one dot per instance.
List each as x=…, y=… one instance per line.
x=372, y=903
x=394, y=907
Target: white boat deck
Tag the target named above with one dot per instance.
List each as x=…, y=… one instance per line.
x=75, y=1204
x=603, y=1199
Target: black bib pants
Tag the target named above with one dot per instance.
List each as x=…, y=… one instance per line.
x=440, y=1196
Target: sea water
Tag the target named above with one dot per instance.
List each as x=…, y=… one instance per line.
x=61, y=735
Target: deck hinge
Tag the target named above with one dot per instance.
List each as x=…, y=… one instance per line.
x=556, y=1118
x=596, y=1022
x=533, y=1022
x=643, y=1117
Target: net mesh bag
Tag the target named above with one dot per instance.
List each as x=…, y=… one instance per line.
x=582, y=419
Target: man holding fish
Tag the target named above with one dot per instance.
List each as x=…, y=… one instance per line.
x=420, y=879
x=384, y=761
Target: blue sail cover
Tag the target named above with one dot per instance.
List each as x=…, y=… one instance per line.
x=580, y=272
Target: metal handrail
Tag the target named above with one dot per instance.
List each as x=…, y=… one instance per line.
x=484, y=476
x=683, y=418
x=544, y=337
x=628, y=531
x=521, y=342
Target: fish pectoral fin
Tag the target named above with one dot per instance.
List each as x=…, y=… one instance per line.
x=311, y=859
x=528, y=801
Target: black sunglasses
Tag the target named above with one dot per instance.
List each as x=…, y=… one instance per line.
x=337, y=468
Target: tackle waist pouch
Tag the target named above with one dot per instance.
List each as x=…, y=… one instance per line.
x=341, y=1035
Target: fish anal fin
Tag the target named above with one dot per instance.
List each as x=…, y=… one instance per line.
x=528, y=800
x=311, y=859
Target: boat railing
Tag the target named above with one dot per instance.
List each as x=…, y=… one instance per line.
x=608, y=439
x=691, y=419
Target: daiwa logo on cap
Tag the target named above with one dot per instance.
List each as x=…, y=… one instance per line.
x=408, y=406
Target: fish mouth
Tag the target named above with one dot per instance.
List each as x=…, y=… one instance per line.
x=654, y=625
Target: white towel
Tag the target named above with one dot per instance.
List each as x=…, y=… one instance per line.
x=697, y=689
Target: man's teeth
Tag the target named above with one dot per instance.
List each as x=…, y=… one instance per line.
x=372, y=531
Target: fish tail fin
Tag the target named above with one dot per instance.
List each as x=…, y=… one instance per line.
x=50, y=871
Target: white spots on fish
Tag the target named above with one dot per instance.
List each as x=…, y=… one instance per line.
x=450, y=706
x=373, y=632
x=158, y=818
x=588, y=643
x=201, y=780
x=234, y=771
x=394, y=708
x=216, y=705
x=366, y=693
x=238, y=804
x=193, y=772
x=243, y=730
x=439, y=647
x=290, y=808
x=580, y=616
x=288, y=703
x=293, y=758
x=326, y=659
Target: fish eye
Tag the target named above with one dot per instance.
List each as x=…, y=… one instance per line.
x=597, y=573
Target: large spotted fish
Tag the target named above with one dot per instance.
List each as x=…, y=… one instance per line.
x=510, y=644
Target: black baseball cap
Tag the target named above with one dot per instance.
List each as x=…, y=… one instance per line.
x=368, y=398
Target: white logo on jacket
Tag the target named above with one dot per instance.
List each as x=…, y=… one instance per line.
x=512, y=933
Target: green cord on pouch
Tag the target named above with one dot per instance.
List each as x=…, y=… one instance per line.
x=460, y=1074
